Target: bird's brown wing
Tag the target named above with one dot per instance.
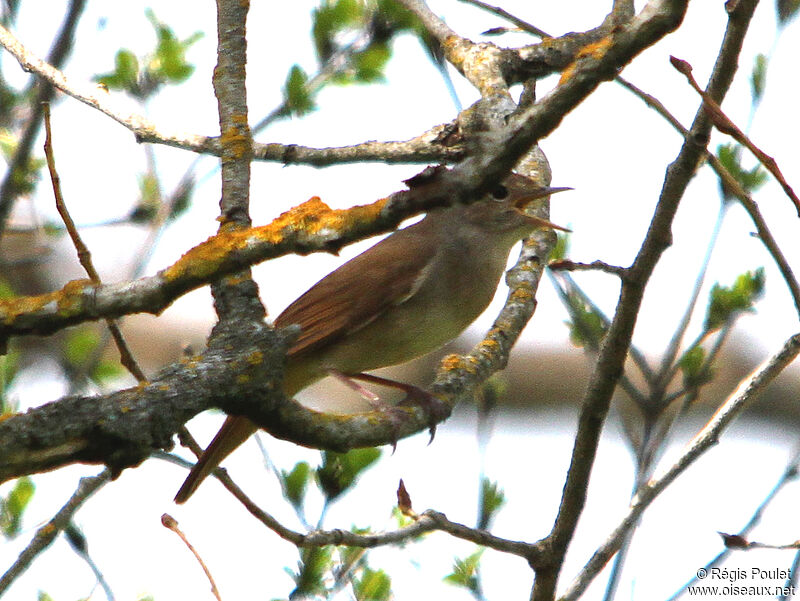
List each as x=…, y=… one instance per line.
x=360, y=290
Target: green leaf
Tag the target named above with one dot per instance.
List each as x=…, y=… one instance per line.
x=13, y=506
x=169, y=60
x=751, y=180
x=369, y=63
x=147, y=207
x=8, y=143
x=692, y=365
x=166, y=63
x=727, y=302
x=295, y=92
x=372, y=585
x=465, y=572
x=6, y=291
x=758, y=77
x=26, y=175
x=9, y=363
x=397, y=17
x=80, y=344
x=491, y=394
x=314, y=563
x=125, y=75
x=43, y=596
x=402, y=520
x=106, y=370
x=492, y=499
x=339, y=471
x=182, y=197
x=586, y=329
x=76, y=538
x=295, y=483
x=561, y=248
x=331, y=18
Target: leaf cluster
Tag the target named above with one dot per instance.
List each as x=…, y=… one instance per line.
x=142, y=76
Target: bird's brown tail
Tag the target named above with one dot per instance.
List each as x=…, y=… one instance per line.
x=234, y=432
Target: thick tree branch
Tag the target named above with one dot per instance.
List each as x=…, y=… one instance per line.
x=310, y=227
x=615, y=346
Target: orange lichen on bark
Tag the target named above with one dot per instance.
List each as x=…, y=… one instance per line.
x=459, y=363
x=310, y=218
x=314, y=216
x=203, y=260
x=594, y=50
x=521, y=294
x=488, y=344
x=255, y=358
x=67, y=300
x=235, y=140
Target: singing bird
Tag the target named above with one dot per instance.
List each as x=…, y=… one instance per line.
x=409, y=294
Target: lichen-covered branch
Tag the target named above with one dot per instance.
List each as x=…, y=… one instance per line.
x=310, y=227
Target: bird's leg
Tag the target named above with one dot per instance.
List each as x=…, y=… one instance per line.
x=348, y=381
x=414, y=396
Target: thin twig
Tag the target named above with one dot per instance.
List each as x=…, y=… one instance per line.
x=702, y=442
x=45, y=535
x=421, y=149
x=84, y=256
x=428, y=521
x=724, y=124
x=171, y=523
x=733, y=187
x=501, y=12
x=433, y=24
x=568, y=265
x=617, y=341
x=56, y=57
x=674, y=345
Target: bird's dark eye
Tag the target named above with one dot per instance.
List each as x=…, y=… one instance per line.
x=500, y=192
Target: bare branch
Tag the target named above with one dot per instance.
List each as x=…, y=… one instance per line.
x=84, y=256
x=567, y=265
x=733, y=186
x=171, y=523
x=614, y=351
x=94, y=96
x=45, y=535
x=702, y=442
x=724, y=124
x=56, y=57
x=421, y=149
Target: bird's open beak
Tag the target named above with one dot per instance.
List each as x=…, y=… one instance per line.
x=541, y=193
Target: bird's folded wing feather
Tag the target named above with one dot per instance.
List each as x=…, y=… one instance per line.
x=360, y=290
